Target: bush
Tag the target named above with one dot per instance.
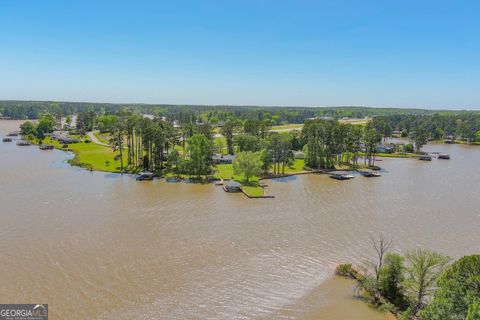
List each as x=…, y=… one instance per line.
x=392, y=278
x=406, y=315
x=408, y=148
x=344, y=270
x=387, y=307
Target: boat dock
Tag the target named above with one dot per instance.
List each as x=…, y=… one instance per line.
x=341, y=175
x=46, y=147
x=369, y=173
x=425, y=157
x=23, y=143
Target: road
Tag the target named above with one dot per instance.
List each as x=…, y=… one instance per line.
x=95, y=139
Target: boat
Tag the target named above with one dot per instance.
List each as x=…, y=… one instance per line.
x=7, y=139
x=425, y=157
x=13, y=134
x=144, y=176
x=23, y=143
x=370, y=174
x=449, y=141
x=46, y=147
x=341, y=176
x=444, y=156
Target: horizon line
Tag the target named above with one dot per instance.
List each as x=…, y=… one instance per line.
x=237, y=105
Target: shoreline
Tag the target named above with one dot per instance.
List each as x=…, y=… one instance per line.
x=333, y=298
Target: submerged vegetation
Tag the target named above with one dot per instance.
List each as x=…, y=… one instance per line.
x=420, y=284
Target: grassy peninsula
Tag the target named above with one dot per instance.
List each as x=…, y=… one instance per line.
x=241, y=143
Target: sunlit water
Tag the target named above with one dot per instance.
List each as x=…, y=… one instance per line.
x=97, y=245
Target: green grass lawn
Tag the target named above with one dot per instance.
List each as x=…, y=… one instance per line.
x=396, y=155
x=252, y=187
x=465, y=142
x=361, y=122
x=290, y=126
x=224, y=171
x=297, y=167
x=220, y=144
x=91, y=155
x=253, y=190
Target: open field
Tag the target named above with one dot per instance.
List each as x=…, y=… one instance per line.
x=355, y=121
x=287, y=127
x=299, y=126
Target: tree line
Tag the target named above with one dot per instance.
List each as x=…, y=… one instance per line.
x=218, y=114
x=465, y=125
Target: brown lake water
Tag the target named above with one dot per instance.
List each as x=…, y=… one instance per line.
x=97, y=245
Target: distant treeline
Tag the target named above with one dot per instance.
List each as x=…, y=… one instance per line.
x=212, y=114
x=438, y=125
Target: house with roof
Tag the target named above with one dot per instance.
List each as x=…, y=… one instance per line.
x=223, y=158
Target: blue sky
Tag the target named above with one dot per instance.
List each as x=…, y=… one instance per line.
x=256, y=52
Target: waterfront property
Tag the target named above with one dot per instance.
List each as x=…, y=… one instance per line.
x=384, y=149
x=223, y=158
x=299, y=155
x=64, y=139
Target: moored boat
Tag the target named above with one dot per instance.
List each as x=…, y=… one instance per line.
x=7, y=139
x=370, y=174
x=144, y=176
x=444, y=156
x=425, y=157
x=23, y=143
x=341, y=176
x=46, y=147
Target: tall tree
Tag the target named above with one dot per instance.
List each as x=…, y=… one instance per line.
x=424, y=267
x=201, y=150
x=248, y=164
x=420, y=138
x=228, y=131
x=458, y=291
x=372, y=139
x=392, y=279
x=116, y=140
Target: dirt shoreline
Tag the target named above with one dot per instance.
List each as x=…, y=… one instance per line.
x=334, y=299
